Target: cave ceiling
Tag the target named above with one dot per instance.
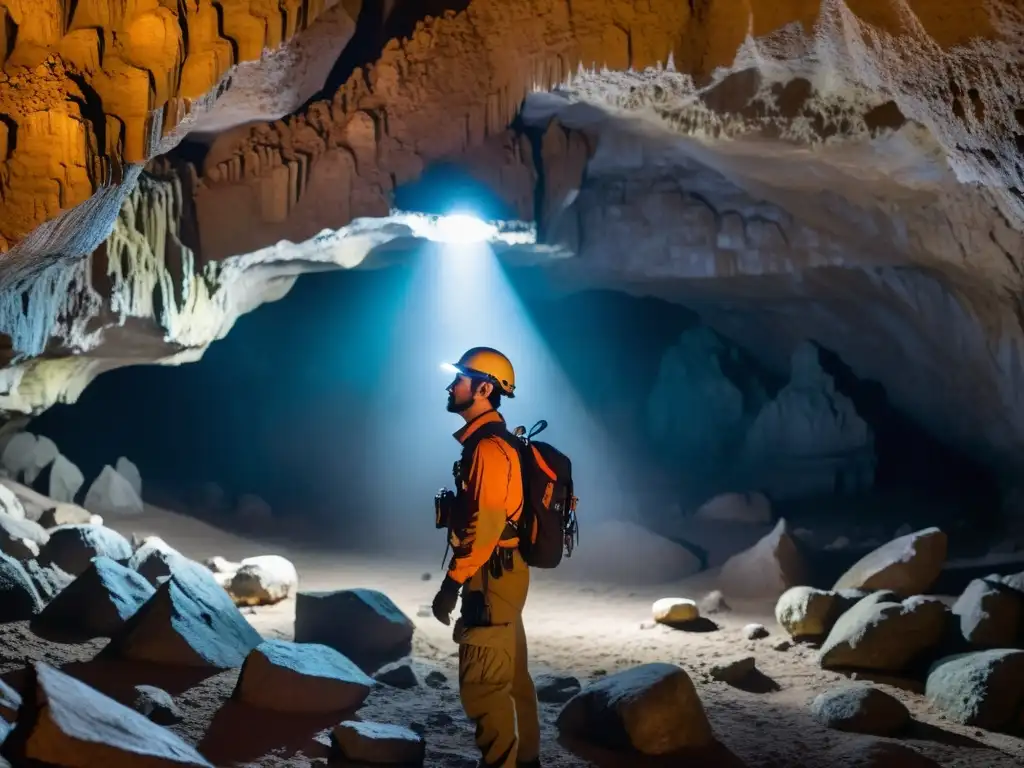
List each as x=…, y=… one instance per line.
x=850, y=172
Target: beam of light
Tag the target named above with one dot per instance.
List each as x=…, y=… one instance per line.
x=451, y=305
x=464, y=229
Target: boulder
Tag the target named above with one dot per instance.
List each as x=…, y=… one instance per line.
x=263, y=580
x=1014, y=581
x=154, y=559
x=111, y=494
x=736, y=508
x=127, y=469
x=18, y=454
x=10, y=504
x=674, y=610
x=399, y=674
x=96, y=604
x=555, y=689
x=19, y=598
x=860, y=709
x=21, y=539
x=755, y=631
x=33, y=503
x=908, y=565
x=65, y=722
x=65, y=513
x=807, y=613
x=713, y=602
x=44, y=452
x=767, y=569
x=49, y=580
x=734, y=671
x=991, y=614
x=156, y=704
x=72, y=547
x=652, y=709
x=983, y=689
x=190, y=621
x=362, y=624
x=364, y=742
x=809, y=440
x=65, y=480
x=301, y=678
x=884, y=636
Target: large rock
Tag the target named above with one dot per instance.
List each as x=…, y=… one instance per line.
x=65, y=722
x=807, y=613
x=767, y=569
x=65, y=513
x=33, y=503
x=19, y=454
x=362, y=624
x=983, y=689
x=156, y=560
x=126, y=468
x=263, y=580
x=19, y=598
x=96, y=604
x=652, y=709
x=301, y=678
x=368, y=743
x=736, y=508
x=884, y=636
x=702, y=400
x=190, y=621
x=809, y=440
x=860, y=709
x=65, y=480
x=48, y=579
x=991, y=614
x=112, y=494
x=72, y=547
x=908, y=565
x=21, y=539
x=10, y=504
x=674, y=610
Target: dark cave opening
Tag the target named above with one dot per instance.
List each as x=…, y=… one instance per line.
x=279, y=408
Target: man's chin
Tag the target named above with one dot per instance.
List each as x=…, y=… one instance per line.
x=454, y=407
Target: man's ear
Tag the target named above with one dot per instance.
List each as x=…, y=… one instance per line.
x=484, y=389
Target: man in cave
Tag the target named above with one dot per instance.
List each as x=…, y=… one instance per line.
x=487, y=568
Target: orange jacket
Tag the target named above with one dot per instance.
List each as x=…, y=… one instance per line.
x=494, y=495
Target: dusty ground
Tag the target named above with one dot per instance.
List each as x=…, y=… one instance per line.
x=575, y=626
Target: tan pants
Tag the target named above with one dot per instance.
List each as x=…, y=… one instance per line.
x=494, y=680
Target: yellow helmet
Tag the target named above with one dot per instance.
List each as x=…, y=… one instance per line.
x=489, y=364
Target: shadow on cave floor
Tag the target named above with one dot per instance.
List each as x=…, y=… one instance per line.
x=239, y=733
x=715, y=756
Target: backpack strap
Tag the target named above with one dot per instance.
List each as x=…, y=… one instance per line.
x=500, y=430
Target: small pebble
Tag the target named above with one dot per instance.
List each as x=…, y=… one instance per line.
x=755, y=631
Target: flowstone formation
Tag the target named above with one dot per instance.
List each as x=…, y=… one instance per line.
x=847, y=173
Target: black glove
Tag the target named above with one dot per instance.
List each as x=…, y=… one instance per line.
x=445, y=599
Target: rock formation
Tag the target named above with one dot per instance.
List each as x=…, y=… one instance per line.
x=848, y=173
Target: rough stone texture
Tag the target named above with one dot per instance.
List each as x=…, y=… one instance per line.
x=156, y=704
x=908, y=565
x=674, y=610
x=112, y=494
x=371, y=743
x=190, y=621
x=64, y=513
x=652, y=709
x=10, y=504
x=860, y=709
x=984, y=689
x=79, y=112
x=65, y=480
x=49, y=580
x=555, y=689
x=362, y=624
x=19, y=598
x=96, y=604
x=767, y=569
x=156, y=560
x=263, y=580
x=301, y=678
x=65, y=722
x=991, y=614
x=884, y=636
x=809, y=439
x=72, y=547
x=21, y=539
x=809, y=613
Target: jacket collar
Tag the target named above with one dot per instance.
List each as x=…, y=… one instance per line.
x=487, y=417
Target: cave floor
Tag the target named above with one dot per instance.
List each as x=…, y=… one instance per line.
x=575, y=626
